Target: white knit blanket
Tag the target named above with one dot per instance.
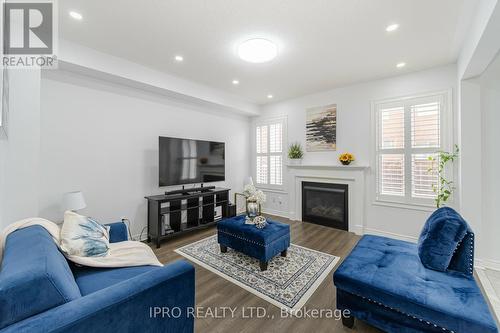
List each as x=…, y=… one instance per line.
x=121, y=254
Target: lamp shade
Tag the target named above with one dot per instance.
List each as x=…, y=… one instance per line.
x=248, y=181
x=74, y=201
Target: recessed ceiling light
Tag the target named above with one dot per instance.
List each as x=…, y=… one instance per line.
x=75, y=15
x=236, y=82
x=270, y=96
x=392, y=27
x=179, y=58
x=257, y=50
x=401, y=65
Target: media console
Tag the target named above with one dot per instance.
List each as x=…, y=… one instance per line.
x=182, y=211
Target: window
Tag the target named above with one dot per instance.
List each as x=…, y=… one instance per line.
x=269, y=153
x=408, y=132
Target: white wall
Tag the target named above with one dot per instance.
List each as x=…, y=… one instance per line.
x=102, y=138
x=490, y=161
x=19, y=151
x=354, y=135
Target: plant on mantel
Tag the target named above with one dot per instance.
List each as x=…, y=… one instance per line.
x=295, y=151
x=444, y=187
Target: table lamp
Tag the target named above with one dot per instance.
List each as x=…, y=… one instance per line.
x=74, y=201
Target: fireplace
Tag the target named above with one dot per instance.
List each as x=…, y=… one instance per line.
x=325, y=204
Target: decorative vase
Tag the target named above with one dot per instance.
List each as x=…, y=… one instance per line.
x=345, y=162
x=253, y=209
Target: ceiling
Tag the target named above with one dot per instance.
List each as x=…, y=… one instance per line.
x=323, y=44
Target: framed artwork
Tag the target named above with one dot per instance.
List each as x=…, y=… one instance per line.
x=321, y=128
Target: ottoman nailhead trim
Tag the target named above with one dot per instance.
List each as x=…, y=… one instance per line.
x=403, y=313
x=251, y=241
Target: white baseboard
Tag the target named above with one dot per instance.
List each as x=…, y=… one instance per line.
x=276, y=213
x=487, y=263
x=390, y=235
x=144, y=236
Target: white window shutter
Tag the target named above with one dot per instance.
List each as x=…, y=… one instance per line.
x=392, y=127
x=422, y=180
x=409, y=135
x=425, y=125
x=261, y=170
x=261, y=137
x=391, y=176
x=269, y=149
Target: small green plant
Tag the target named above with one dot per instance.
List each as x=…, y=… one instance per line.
x=295, y=151
x=444, y=187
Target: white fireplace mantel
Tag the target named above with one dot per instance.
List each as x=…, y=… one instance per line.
x=351, y=175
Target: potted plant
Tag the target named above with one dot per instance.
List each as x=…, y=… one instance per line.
x=295, y=153
x=346, y=158
x=445, y=187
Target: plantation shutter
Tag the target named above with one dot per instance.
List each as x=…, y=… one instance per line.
x=269, y=153
x=425, y=138
x=409, y=135
x=391, y=146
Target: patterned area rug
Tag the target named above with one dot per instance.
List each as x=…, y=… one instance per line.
x=288, y=282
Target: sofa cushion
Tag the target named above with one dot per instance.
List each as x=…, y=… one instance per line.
x=34, y=276
x=389, y=272
x=91, y=279
x=440, y=237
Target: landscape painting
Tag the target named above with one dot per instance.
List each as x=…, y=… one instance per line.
x=321, y=128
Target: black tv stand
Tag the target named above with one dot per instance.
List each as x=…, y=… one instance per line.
x=181, y=211
x=191, y=190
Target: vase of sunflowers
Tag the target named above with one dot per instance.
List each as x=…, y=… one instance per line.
x=346, y=158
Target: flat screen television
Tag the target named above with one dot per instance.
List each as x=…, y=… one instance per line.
x=186, y=161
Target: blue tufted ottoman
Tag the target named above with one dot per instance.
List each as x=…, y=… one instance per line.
x=261, y=244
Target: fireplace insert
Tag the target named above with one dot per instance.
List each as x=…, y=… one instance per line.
x=325, y=204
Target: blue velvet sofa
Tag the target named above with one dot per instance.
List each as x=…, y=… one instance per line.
x=40, y=291
x=399, y=286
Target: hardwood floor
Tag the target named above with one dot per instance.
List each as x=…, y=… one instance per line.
x=214, y=291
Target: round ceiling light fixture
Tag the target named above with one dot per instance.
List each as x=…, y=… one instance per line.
x=257, y=50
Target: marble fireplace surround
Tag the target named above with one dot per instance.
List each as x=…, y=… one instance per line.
x=354, y=176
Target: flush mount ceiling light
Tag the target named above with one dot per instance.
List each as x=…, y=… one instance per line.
x=401, y=65
x=270, y=96
x=236, y=82
x=76, y=15
x=179, y=58
x=392, y=27
x=257, y=50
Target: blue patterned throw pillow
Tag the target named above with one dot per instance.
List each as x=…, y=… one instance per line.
x=84, y=237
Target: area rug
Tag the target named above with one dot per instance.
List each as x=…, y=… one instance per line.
x=288, y=282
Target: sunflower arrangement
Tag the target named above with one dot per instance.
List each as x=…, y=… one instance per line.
x=346, y=158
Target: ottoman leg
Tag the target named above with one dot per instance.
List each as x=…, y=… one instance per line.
x=283, y=254
x=263, y=266
x=348, y=321
x=223, y=248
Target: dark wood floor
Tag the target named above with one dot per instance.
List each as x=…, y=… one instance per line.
x=214, y=291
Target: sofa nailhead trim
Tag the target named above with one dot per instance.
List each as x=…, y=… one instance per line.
x=403, y=313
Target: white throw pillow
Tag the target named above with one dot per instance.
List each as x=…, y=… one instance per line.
x=84, y=237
